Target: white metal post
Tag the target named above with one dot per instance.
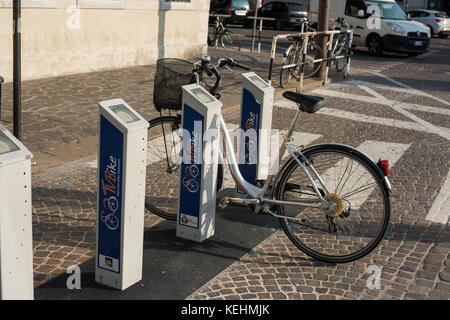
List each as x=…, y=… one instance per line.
x=347, y=67
x=16, y=245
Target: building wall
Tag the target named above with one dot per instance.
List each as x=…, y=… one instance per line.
x=72, y=36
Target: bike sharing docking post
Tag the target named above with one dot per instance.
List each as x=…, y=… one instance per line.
x=255, y=123
x=121, y=194
x=16, y=245
x=198, y=168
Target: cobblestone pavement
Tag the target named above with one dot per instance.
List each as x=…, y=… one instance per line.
x=414, y=257
x=63, y=110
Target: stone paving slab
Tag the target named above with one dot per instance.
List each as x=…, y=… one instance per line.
x=414, y=257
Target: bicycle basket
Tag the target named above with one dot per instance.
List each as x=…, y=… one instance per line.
x=171, y=75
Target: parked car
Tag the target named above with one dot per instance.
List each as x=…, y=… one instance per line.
x=287, y=14
x=395, y=32
x=236, y=8
x=437, y=21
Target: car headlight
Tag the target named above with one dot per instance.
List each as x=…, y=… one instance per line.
x=397, y=28
x=428, y=31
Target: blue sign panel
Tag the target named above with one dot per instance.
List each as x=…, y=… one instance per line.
x=250, y=123
x=110, y=196
x=191, y=168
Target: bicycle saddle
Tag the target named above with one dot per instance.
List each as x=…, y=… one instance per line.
x=307, y=103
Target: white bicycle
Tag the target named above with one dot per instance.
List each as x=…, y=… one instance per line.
x=333, y=201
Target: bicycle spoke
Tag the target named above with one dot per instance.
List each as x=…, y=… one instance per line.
x=335, y=235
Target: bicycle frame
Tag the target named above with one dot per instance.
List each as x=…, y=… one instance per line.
x=338, y=46
x=257, y=194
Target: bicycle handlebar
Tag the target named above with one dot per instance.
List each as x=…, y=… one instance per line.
x=232, y=63
x=210, y=69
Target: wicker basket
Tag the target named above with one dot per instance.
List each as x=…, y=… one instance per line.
x=171, y=75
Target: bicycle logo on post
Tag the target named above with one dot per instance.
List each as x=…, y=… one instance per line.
x=189, y=180
x=110, y=203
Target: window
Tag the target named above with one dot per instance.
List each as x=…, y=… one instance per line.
x=388, y=10
x=353, y=6
x=267, y=8
x=441, y=15
x=240, y=4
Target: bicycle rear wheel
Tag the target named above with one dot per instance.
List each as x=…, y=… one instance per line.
x=359, y=219
x=163, y=167
x=230, y=41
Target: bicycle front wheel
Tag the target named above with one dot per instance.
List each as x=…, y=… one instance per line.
x=230, y=41
x=163, y=163
x=357, y=219
x=164, y=147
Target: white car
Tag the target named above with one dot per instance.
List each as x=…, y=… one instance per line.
x=437, y=21
x=385, y=27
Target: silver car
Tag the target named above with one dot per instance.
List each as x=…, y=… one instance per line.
x=437, y=21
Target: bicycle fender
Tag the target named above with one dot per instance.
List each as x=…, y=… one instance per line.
x=359, y=154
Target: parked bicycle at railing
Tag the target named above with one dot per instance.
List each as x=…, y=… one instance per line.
x=163, y=147
x=332, y=200
x=338, y=55
x=290, y=63
x=341, y=49
x=226, y=38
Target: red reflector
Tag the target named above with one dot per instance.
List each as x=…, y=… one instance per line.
x=384, y=166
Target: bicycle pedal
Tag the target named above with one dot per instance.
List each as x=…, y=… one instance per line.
x=224, y=202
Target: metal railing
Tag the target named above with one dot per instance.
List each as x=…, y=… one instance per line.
x=306, y=35
x=261, y=19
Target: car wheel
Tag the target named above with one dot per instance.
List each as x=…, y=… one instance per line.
x=443, y=36
x=375, y=45
x=431, y=32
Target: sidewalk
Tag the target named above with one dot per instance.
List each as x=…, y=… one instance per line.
x=248, y=258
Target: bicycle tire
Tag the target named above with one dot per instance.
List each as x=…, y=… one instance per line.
x=286, y=73
x=317, y=239
x=310, y=68
x=230, y=41
x=210, y=42
x=164, y=202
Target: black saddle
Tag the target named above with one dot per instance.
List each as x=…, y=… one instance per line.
x=307, y=103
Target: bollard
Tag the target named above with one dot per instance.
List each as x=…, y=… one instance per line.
x=198, y=170
x=256, y=114
x=16, y=245
x=121, y=193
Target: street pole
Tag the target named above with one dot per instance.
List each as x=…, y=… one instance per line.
x=254, y=23
x=322, y=25
x=17, y=69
